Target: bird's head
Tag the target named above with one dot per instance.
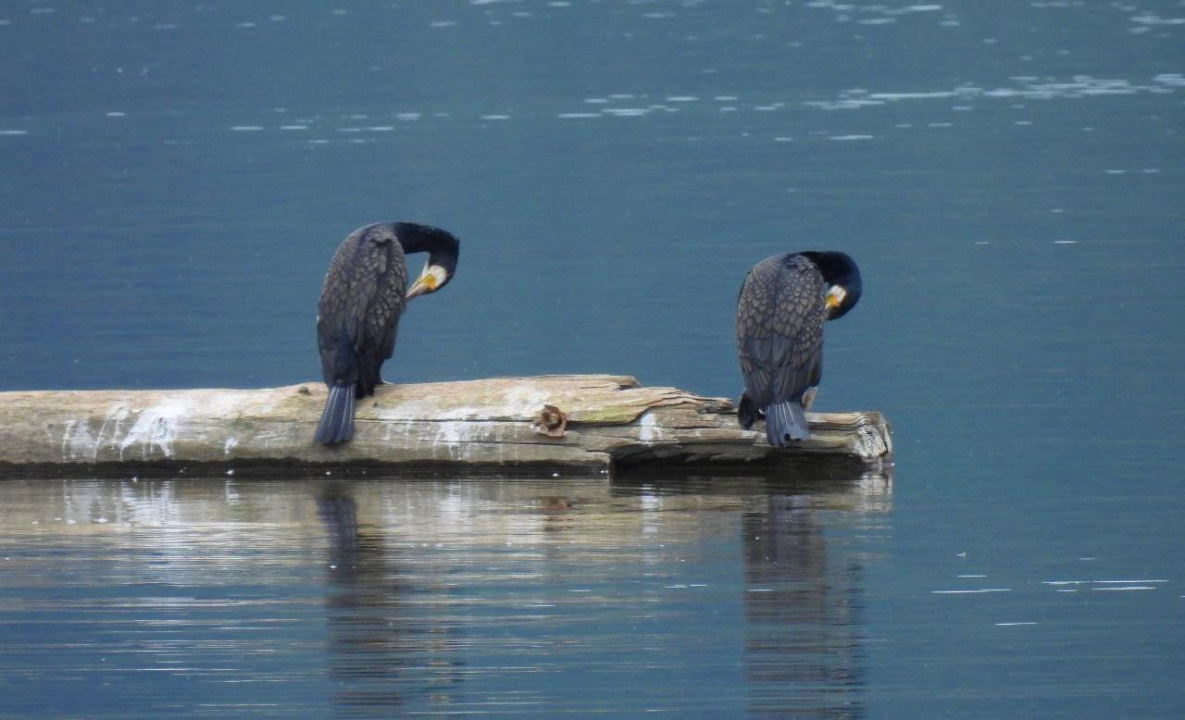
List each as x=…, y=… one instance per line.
x=442, y=248
x=432, y=278
x=844, y=286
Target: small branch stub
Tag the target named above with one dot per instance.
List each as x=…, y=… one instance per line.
x=551, y=422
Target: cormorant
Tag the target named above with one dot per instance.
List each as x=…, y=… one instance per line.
x=358, y=314
x=780, y=313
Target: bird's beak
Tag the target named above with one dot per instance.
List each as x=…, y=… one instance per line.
x=835, y=296
x=427, y=282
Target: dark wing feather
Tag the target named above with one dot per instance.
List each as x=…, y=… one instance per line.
x=389, y=302
x=780, y=329
x=336, y=325
x=361, y=301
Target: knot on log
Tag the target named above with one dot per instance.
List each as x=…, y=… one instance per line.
x=551, y=422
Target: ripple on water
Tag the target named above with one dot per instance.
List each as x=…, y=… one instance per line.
x=1027, y=88
x=1151, y=19
x=1024, y=595
x=626, y=112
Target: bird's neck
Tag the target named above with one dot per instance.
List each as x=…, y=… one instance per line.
x=440, y=245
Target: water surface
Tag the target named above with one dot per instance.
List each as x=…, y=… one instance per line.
x=174, y=179
x=211, y=596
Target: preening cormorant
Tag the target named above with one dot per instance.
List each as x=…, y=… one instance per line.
x=362, y=299
x=780, y=313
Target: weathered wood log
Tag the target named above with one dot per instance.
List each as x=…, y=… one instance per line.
x=596, y=423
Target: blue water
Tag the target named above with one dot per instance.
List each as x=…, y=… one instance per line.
x=174, y=179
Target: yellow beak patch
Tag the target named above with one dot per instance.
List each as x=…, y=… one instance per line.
x=427, y=282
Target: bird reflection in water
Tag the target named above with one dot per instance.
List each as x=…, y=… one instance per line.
x=803, y=606
x=385, y=649
x=803, y=584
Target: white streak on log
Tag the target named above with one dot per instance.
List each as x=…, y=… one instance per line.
x=77, y=441
x=648, y=430
x=116, y=415
x=155, y=428
x=80, y=444
x=457, y=437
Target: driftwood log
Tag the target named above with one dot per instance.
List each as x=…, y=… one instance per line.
x=583, y=424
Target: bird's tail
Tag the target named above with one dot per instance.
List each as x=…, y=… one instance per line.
x=786, y=421
x=337, y=420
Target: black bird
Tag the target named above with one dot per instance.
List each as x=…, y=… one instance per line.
x=780, y=313
x=358, y=314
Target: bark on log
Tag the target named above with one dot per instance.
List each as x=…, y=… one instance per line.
x=471, y=426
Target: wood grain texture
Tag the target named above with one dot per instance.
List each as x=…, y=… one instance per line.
x=478, y=425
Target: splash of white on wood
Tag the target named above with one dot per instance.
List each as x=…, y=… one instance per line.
x=155, y=429
x=117, y=415
x=648, y=429
x=79, y=442
x=455, y=436
x=158, y=427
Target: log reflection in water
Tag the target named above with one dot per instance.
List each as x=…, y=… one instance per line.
x=694, y=595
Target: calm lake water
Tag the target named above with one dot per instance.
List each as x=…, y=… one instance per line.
x=174, y=178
